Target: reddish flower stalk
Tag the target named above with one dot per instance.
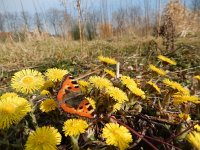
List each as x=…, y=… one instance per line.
x=160, y=141
x=173, y=137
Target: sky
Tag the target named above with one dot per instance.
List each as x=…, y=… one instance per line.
x=42, y=5
x=28, y=5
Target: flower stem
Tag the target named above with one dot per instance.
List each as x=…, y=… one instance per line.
x=74, y=141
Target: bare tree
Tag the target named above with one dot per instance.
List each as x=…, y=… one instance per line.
x=120, y=20
x=2, y=22
x=38, y=22
x=12, y=22
x=25, y=16
x=195, y=4
x=67, y=20
x=158, y=18
x=146, y=16
x=80, y=22
x=37, y=19
x=92, y=19
x=196, y=9
x=135, y=18
x=104, y=11
x=53, y=17
x=26, y=20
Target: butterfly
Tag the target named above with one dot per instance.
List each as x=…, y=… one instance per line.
x=72, y=100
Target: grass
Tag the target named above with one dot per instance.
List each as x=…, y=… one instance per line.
x=35, y=52
x=156, y=116
x=56, y=52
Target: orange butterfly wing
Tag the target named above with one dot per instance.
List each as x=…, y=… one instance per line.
x=85, y=109
x=69, y=85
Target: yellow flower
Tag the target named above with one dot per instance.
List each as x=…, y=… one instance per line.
x=117, y=107
x=12, y=110
x=135, y=90
x=197, y=77
x=44, y=138
x=197, y=127
x=194, y=139
x=8, y=94
x=126, y=80
x=74, y=127
x=157, y=70
x=44, y=92
x=27, y=81
x=107, y=60
x=100, y=82
x=177, y=99
x=92, y=102
x=48, y=105
x=163, y=58
x=117, y=135
x=177, y=86
x=154, y=86
x=110, y=72
x=47, y=84
x=116, y=94
x=55, y=74
x=83, y=85
x=185, y=117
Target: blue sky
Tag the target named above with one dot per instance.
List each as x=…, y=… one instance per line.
x=28, y=5
x=42, y=5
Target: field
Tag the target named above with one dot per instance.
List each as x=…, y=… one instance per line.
x=163, y=118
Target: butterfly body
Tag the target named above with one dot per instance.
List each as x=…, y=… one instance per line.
x=71, y=99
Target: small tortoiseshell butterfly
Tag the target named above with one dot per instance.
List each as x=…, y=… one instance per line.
x=71, y=99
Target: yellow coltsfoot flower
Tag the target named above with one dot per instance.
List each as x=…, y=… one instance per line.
x=157, y=70
x=154, y=86
x=27, y=81
x=117, y=107
x=107, y=60
x=8, y=94
x=168, y=60
x=197, y=127
x=194, y=139
x=126, y=80
x=110, y=72
x=48, y=105
x=177, y=86
x=74, y=127
x=117, y=135
x=185, y=117
x=99, y=82
x=197, y=77
x=45, y=92
x=117, y=94
x=44, y=138
x=137, y=91
x=92, y=102
x=47, y=84
x=13, y=110
x=178, y=99
x=84, y=85
x=55, y=74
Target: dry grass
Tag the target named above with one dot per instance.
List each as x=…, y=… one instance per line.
x=56, y=52
x=15, y=56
